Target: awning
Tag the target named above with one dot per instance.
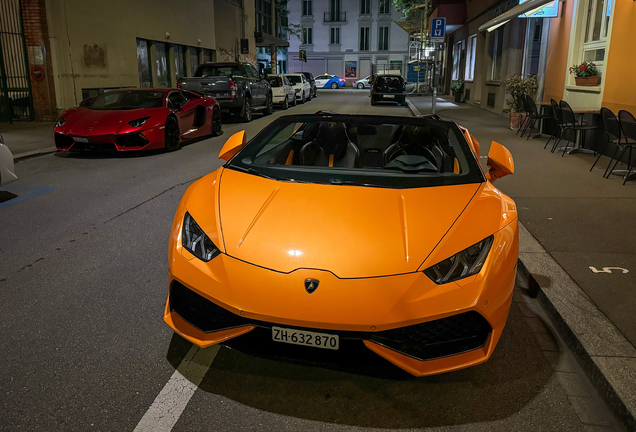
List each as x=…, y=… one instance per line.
x=529, y=7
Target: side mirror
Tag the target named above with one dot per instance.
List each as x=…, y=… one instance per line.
x=500, y=162
x=232, y=146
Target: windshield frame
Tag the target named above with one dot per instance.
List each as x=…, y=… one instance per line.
x=89, y=103
x=356, y=176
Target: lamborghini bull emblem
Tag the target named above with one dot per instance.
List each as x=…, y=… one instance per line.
x=311, y=285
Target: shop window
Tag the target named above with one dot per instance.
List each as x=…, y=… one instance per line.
x=334, y=35
x=308, y=36
x=364, y=38
x=471, y=49
x=180, y=70
x=365, y=7
x=457, y=53
x=384, y=6
x=495, y=48
x=143, y=64
x=207, y=55
x=194, y=60
x=597, y=21
x=383, y=39
x=161, y=72
x=307, y=8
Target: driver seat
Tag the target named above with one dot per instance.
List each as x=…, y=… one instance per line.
x=331, y=148
x=418, y=140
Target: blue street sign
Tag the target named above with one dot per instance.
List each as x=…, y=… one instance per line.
x=438, y=29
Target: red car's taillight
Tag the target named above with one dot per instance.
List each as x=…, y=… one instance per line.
x=179, y=84
x=232, y=89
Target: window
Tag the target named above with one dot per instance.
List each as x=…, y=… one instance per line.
x=365, y=7
x=180, y=70
x=495, y=49
x=334, y=36
x=364, y=38
x=307, y=8
x=207, y=55
x=143, y=64
x=471, y=49
x=457, y=53
x=598, y=14
x=264, y=16
x=307, y=36
x=176, y=100
x=162, y=77
x=194, y=60
x=384, y=6
x=383, y=39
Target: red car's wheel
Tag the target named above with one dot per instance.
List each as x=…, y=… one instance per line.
x=217, y=124
x=172, y=134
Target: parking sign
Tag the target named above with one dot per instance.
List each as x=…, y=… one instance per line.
x=438, y=29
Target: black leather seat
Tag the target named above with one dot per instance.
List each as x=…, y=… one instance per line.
x=331, y=147
x=417, y=140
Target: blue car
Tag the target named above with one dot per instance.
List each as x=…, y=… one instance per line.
x=329, y=81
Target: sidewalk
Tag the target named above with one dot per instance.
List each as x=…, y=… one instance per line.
x=586, y=224
x=28, y=138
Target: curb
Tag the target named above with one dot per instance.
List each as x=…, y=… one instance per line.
x=607, y=357
x=34, y=153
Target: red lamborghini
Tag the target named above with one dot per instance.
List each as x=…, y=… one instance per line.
x=138, y=119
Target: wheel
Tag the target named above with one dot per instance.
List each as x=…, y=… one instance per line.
x=217, y=124
x=309, y=94
x=302, y=99
x=315, y=93
x=269, y=106
x=246, y=112
x=285, y=104
x=172, y=136
x=360, y=85
x=372, y=101
x=403, y=103
x=295, y=101
x=334, y=85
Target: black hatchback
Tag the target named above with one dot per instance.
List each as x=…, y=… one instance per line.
x=388, y=88
x=312, y=82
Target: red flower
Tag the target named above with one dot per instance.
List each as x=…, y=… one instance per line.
x=583, y=67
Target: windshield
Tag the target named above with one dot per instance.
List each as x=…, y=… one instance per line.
x=294, y=79
x=275, y=82
x=380, y=151
x=123, y=100
x=218, y=70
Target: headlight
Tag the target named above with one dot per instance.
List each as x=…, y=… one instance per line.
x=461, y=265
x=138, y=122
x=61, y=121
x=196, y=242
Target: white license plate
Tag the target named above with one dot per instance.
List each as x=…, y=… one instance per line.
x=389, y=97
x=305, y=338
x=78, y=139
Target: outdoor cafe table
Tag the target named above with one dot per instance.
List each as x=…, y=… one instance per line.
x=582, y=111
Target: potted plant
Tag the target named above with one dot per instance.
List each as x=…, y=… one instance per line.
x=518, y=87
x=586, y=74
x=456, y=87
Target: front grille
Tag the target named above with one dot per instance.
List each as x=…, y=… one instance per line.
x=94, y=147
x=132, y=140
x=426, y=341
x=63, y=141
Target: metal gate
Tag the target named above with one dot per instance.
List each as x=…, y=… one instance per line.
x=16, y=101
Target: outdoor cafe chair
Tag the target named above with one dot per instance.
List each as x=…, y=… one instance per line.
x=557, y=132
x=533, y=115
x=526, y=118
x=569, y=123
x=613, y=134
x=628, y=126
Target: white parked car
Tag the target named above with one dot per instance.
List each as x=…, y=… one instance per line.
x=7, y=169
x=300, y=83
x=283, y=93
x=362, y=83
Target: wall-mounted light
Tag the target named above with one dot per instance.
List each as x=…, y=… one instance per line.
x=496, y=26
x=198, y=41
x=167, y=35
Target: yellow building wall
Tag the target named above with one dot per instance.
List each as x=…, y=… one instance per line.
x=620, y=90
x=557, y=61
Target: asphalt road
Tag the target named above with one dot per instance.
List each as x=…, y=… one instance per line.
x=83, y=261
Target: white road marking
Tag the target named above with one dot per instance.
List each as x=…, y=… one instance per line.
x=608, y=269
x=168, y=406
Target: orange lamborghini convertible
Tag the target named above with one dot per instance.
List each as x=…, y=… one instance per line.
x=330, y=232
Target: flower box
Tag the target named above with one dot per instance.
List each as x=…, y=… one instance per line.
x=587, y=81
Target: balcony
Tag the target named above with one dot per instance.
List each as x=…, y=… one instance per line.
x=331, y=17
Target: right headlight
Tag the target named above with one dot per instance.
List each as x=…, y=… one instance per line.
x=61, y=121
x=461, y=265
x=195, y=241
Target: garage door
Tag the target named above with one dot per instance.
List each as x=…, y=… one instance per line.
x=365, y=68
x=335, y=67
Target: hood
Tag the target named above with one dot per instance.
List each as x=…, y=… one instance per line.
x=351, y=231
x=89, y=122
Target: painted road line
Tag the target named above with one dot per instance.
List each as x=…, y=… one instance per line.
x=168, y=406
x=35, y=192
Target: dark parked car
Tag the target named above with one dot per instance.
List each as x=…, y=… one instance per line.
x=388, y=88
x=312, y=81
x=237, y=86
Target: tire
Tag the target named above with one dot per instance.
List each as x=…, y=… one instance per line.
x=246, y=112
x=302, y=100
x=217, y=123
x=309, y=95
x=315, y=93
x=172, y=136
x=372, y=101
x=269, y=106
x=334, y=85
x=360, y=85
x=295, y=101
x=285, y=104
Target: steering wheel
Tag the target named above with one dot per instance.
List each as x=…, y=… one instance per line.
x=400, y=150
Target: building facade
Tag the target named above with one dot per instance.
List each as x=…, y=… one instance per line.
x=347, y=38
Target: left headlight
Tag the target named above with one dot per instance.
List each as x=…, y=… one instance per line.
x=461, y=265
x=196, y=242
x=61, y=121
x=138, y=122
